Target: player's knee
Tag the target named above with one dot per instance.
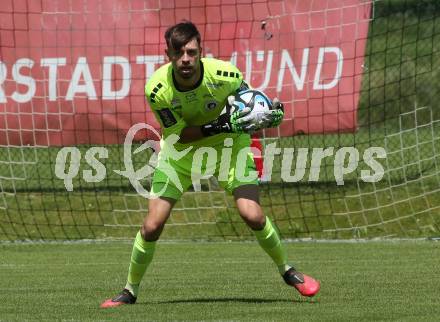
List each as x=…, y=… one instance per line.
x=151, y=230
x=254, y=219
x=257, y=222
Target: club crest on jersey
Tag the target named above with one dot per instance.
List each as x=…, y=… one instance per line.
x=210, y=105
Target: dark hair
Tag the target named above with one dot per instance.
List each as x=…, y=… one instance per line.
x=180, y=34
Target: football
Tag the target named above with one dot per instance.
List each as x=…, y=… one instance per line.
x=256, y=100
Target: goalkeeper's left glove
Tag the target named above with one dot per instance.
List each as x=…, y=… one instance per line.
x=270, y=118
x=274, y=116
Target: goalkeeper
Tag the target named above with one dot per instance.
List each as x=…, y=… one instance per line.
x=188, y=96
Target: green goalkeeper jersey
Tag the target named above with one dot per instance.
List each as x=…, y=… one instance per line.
x=175, y=110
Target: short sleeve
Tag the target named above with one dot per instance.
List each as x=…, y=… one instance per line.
x=235, y=78
x=169, y=117
x=170, y=120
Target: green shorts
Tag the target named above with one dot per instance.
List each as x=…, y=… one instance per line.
x=230, y=161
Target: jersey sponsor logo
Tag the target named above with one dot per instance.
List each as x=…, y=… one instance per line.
x=190, y=97
x=167, y=117
x=176, y=103
x=215, y=85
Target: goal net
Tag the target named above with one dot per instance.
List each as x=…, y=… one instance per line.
x=357, y=155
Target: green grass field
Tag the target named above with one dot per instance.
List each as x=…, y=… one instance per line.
x=362, y=281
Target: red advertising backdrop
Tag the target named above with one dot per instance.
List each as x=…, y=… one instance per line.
x=73, y=72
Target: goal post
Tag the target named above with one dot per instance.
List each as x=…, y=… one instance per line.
x=357, y=155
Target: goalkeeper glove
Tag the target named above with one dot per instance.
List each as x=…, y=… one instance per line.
x=270, y=118
x=228, y=121
x=274, y=116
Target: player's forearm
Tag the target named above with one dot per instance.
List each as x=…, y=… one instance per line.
x=194, y=133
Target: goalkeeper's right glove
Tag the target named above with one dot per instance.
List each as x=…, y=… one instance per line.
x=228, y=121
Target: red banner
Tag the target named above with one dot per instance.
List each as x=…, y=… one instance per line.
x=73, y=72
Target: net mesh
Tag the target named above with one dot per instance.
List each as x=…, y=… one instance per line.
x=54, y=75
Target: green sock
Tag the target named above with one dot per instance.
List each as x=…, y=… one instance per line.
x=269, y=240
x=141, y=257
